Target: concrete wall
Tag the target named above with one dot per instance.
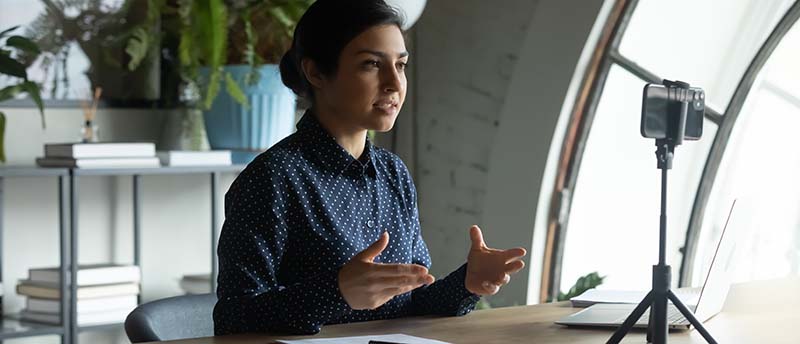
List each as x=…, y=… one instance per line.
x=492, y=78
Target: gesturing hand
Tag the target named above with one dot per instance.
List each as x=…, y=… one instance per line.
x=365, y=284
x=489, y=269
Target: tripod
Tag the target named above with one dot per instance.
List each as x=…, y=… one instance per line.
x=657, y=298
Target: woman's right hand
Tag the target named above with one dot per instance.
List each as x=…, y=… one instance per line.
x=365, y=284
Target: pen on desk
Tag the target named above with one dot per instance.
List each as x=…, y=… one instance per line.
x=382, y=342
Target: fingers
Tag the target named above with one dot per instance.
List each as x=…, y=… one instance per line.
x=399, y=269
x=387, y=282
x=369, y=253
x=490, y=288
x=513, y=254
x=477, y=237
x=514, y=266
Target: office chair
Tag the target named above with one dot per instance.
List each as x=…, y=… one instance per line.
x=179, y=317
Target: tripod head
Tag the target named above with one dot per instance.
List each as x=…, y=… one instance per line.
x=671, y=113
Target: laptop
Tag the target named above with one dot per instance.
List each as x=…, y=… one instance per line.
x=709, y=303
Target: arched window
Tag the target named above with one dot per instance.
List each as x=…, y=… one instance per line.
x=606, y=209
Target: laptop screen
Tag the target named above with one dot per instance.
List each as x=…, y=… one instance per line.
x=718, y=281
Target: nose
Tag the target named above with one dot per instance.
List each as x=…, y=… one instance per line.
x=392, y=80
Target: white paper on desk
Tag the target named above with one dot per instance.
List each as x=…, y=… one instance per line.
x=397, y=338
x=688, y=296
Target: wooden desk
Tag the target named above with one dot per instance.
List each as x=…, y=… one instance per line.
x=756, y=312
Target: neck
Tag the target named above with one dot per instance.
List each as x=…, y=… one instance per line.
x=350, y=137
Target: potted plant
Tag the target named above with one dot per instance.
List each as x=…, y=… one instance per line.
x=16, y=54
x=120, y=41
x=237, y=45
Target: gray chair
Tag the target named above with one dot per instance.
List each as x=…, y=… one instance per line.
x=180, y=317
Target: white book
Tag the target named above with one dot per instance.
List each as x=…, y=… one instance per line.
x=84, y=319
x=195, y=158
x=47, y=290
x=85, y=305
x=150, y=162
x=100, y=150
x=90, y=274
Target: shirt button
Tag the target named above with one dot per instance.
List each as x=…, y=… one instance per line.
x=370, y=223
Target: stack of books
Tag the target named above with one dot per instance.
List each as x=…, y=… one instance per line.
x=99, y=155
x=106, y=294
x=196, y=284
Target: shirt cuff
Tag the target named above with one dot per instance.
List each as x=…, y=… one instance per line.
x=468, y=299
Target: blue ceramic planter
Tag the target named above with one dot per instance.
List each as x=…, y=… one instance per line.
x=248, y=131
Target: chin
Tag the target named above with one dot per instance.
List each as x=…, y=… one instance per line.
x=382, y=123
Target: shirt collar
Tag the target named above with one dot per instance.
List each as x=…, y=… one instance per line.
x=332, y=155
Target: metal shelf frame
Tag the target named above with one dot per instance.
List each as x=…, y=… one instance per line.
x=68, y=205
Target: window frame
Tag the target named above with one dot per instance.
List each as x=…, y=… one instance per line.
x=605, y=56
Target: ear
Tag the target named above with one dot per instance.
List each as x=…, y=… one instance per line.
x=312, y=73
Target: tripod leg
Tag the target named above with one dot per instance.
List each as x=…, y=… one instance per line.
x=650, y=326
x=690, y=316
x=632, y=319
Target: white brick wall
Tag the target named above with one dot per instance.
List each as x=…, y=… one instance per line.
x=465, y=53
x=491, y=78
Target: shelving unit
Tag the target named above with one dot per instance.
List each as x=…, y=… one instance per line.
x=13, y=327
x=68, y=192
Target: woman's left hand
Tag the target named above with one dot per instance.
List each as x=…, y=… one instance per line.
x=488, y=269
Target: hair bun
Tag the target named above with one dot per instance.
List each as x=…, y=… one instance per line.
x=291, y=75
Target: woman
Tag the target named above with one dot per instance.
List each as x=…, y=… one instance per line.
x=323, y=228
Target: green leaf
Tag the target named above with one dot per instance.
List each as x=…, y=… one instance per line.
x=12, y=67
x=234, y=90
x=210, y=34
x=137, y=47
x=6, y=31
x=219, y=32
x=2, y=136
x=281, y=16
x=210, y=28
x=24, y=44
x=9, y=92
x=213, y=88
x=583, y=284
x=186, y=49
x=33, y=90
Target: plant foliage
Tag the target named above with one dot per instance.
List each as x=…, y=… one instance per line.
x=15, y=55
x=214, y=33
x=583, y=284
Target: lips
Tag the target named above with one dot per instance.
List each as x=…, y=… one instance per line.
x=386, y=105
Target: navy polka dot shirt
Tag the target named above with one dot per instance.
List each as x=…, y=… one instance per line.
x=299, y=212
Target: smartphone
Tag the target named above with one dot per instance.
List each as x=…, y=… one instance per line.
x=661, y=111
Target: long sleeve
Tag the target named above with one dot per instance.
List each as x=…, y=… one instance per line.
x=251, y=252
x=447, y=296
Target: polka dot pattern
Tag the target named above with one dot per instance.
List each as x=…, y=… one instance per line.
x=299, y=212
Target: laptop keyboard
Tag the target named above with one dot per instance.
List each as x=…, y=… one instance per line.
x=674, y=317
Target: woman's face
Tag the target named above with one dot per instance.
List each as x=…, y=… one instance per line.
x=369, y=87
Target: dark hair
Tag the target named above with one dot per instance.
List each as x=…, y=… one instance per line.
x=324, y=31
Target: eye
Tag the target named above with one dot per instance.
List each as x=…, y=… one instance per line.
x=402, y=65
x=372, y=63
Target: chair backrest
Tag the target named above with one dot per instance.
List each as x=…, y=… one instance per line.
x=180, y=317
